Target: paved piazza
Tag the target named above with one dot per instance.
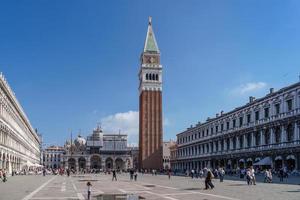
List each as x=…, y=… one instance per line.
x=148, y=187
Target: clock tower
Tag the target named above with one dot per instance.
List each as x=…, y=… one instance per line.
x=150, y=104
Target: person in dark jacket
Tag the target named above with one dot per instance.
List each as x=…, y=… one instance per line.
x=208, y=183
x=114, y=175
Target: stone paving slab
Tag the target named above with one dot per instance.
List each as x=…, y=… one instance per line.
x=147, y=186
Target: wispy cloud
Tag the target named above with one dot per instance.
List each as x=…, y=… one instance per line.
x=126, y=122
x=249, y=87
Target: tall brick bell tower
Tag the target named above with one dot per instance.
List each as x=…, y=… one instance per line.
x=150, y=119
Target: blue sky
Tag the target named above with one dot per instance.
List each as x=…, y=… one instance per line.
x=75, y=63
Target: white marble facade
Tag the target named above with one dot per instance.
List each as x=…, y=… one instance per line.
x=98, y=151
x=264, y=127
x=19, y=142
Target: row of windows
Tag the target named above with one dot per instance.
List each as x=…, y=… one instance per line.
x=242, y=141
x=53, y=156
x=153, y=77
x=50, y=160
x=237, y=122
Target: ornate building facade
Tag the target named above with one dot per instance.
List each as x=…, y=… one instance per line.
x=150, y=105
x=53, y=157
x=98, y=152
x=265, y=131
x=167, y=154
x=19, y=142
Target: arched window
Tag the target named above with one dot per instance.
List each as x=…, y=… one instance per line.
x=156, y=77
x=277, y=135
x=153, y=77
x=257, y=138
x=290, y=133
x=147, y=77
x=267, y=136
x=241, y=141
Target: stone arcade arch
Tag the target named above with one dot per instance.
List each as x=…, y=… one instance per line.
x=72, y=163
x=278, y=162
x=291, y=162
x=95, y=162
x=81, y=163
x=120, y=164
x=109, y=164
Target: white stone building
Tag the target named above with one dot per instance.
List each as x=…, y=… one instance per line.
x=99, y=151
x=265, y=129
x=167, y=154
x=19, y=143
x=53, y=157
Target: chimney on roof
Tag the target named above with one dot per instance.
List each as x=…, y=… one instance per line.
x=222, y=112
x=217, y=115
x=271, y=90
x=208, y=119
x=251, y=99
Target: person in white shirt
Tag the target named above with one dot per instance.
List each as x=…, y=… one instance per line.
x=253, y=175
x=89, y=189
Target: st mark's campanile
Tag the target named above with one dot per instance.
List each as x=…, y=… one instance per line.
x=150, y=104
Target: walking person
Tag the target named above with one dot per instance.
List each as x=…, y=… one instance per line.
x=270, y=176
x=208, y=183
x=4, y=178
x=89, y=189
x=1, y=174
x=281, y=174
x=253, y=175
x=135, y=175
x=221, y=174
x=266, y=180
x=248, y=177
x=114, y=175
x=169, y=174
x=131, y=174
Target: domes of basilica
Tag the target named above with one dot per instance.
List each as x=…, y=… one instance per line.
x=79, y=141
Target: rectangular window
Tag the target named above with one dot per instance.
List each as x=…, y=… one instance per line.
x=207, y=132
x=289, y=104
x=227, y=125
x=248, y=118
x=203, y=133
x=222, y=127
x=241, y=121
x=211, y=131
x=256, y=115
x=233, y=123
x=217, y=129
x=266, y=112
x=277, y=109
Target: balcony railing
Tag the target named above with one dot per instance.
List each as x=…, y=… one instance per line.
x=245, y=150
x=248, y=125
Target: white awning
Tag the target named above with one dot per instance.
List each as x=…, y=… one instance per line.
x=290, y=157
x=265, y=161
x=278, y=158
x=249, y=159
x=242, y=160
x=257, y=159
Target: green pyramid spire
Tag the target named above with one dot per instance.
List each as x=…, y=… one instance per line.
x=150, y=43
